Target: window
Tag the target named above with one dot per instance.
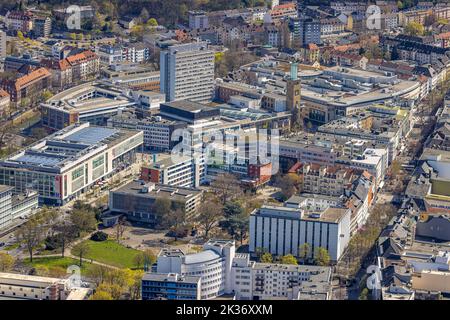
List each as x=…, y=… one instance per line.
x=77, y=173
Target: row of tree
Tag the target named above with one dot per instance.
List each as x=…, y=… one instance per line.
x=321, y=256
x=47, y=227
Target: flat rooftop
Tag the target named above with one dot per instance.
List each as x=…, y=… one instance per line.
x=159, y=191
x=89, y=96
x=331, y=214
x=67, y=145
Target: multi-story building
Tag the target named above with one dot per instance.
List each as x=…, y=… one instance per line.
x=212, y=265
x=132, y=75
x=90, y=102
x=281, y=230
x=266, y=281
x=85, y=65
x=4, y=102
x=13, y=207
x=2, y=44
x=136, y=200
x=218, y=270
x=180, y=171
x=27, y=88
x=69, y=162
x=187, y=72
x=110, y=55
x=327, y=180
x=331, y=26
x=198, y=20
x=42, y=27
x=27, y=287
x=19, y=21
x=171, y=286
x=157, y=131
x=310, y=31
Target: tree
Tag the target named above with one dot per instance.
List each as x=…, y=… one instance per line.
x=161, y=207
x=66, y=232
x=136, y=284
x=396, y=166
x=152, y=22
x=20, y=35
x=289, y=184
x=121, y=227
x=304, y=251
x=226, y=186
x=149, y=258
x=99, y=236
x=236, y=226
x=232, y=209
x=138, y=260
x=73, y=36
x=414, y=29
x=322, y=257
x=97, y=273
x=81, y=250
x=79, y=36
x=101, y=295
x=83, y=220
x=38, y=133
x=31, y=234
x=288, y=259
x=364, y=295
x=6, y=262
x=266, y=258
x=209, y=214
x=174, y=218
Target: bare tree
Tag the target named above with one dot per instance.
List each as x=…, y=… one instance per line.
x=209, y=214
x=227, y=187
x=121, y=227
x=81, y=250
x=31, y=234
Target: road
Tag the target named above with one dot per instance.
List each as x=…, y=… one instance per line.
x=426, y=120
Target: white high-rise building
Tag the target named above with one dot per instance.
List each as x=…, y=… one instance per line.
x=2, y=44
x=187, y=72
x=283, y=230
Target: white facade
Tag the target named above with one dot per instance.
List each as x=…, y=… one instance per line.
x=2, y=44
x=265, y=281
x=67, y=163
x=28, y=287
x=282, y=230
x=13, y=207
x=187, y=72
x=213, y=265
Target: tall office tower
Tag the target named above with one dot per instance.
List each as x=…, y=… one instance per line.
x=187, y=72
x=293, y=96
x=2, y=44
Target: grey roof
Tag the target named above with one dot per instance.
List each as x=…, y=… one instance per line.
x=91, y=135
x=201, y=257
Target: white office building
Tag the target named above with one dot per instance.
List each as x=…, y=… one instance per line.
x=14, y=207
x=282, y=230
x=2, y=44
x=187, y=72
x=266, y=281
x=222, y=271
x=69, y=162
x=213, y=265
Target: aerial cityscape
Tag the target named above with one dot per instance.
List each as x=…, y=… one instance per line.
x=227, y=150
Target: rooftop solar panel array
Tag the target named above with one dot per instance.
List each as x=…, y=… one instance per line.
x=91, y=135
x=39, y=160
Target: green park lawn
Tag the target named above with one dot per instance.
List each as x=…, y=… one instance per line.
x=111, y=253
x=60, y=262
